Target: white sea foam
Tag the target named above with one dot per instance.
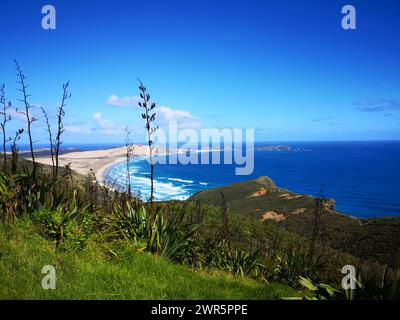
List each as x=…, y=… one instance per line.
x=140, y=183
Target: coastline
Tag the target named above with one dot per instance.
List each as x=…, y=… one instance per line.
x=101, y=173
x=287, y=169
x=99, y=161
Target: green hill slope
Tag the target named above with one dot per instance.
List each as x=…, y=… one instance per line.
x=114, y=273
x=372, y=239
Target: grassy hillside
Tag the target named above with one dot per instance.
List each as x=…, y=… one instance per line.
x=372, y=239
x=102, y=247
x=114, y=272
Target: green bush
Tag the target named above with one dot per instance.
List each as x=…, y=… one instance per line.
x=385, y=288
x=293, y=263
x=11, y=196
x=173, y=240
x=320, y=291
x=68, y=227
x=129, y=222
x=168, y=237
x=241, y=262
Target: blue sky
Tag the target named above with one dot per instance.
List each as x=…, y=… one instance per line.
x=285, y=68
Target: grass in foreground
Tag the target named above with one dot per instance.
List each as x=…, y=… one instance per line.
x=95, y=274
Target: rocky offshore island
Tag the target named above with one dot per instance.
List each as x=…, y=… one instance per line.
x=278, y=147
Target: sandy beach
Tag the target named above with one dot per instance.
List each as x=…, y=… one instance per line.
x=97, y=160
x=101, y=160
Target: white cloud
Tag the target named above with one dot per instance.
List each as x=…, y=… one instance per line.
x=97, y=125
x=171, y=114
x=105, y=126
x=127, y=101
x=184, y=119
x=164, y=114
x=35, y=112
x=97, y=117
x=76, y=129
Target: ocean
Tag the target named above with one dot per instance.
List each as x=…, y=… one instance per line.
x=362, y=177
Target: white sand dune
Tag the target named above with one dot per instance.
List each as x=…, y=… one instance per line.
x=97, y=160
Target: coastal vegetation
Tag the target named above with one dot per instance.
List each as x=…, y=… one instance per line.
x=245, y=241
x=372, y=239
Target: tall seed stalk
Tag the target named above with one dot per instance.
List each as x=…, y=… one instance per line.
x=60, y=125
x=225, y=225
x=149, y=116
x=14, y=151
x=319, y=207
x=55, y=143
x=129, y=150
x=6, y=118
x=29, y=120
x=48, y=129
